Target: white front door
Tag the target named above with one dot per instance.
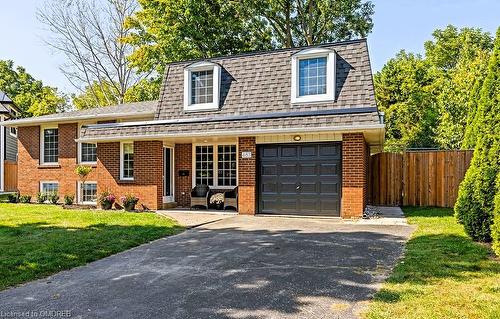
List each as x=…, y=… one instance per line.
x=168, y=174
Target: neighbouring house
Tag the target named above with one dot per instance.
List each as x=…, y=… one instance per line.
x=293, y=129
x=8, y=145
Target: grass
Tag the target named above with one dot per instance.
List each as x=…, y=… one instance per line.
x=39, y=240
x=443, y=274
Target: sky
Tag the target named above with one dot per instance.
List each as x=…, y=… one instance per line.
x=398, y=24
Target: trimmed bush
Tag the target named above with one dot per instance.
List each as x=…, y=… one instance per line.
x=69, y=199
x=13, y=198
x=41, y=198
x=25, y=199
x=53, y=198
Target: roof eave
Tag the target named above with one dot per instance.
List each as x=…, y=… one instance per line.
x=88, y=117
x=378, y=128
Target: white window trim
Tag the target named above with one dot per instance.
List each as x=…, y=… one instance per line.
x=330, y=75
x=202, y=66
x=42, y=146
x=216, y=162
x=79, y=193
x=13, y=134
x=48, y=182
x=79, y=148
x=121, y=161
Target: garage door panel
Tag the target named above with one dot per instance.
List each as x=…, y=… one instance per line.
x=300, y=179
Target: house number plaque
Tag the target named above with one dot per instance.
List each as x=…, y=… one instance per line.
x=246, y=154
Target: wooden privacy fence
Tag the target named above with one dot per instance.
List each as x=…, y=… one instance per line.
x=417, y=178
x=10, y=177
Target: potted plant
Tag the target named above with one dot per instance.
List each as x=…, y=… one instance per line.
x=129, y=202
x=68, y=200
x=83, y=172
x=106, y=200
x=217, y=200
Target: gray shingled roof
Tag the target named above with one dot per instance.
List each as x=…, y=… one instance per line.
x=255, y=84
x=260, y=82
x=116, y=111
x=310, y=123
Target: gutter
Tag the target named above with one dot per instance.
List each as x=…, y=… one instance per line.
x=260, y=116
x=39, y=120
x=349, y=128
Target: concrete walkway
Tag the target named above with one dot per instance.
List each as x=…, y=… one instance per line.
x=190, y=219
x=238, y=267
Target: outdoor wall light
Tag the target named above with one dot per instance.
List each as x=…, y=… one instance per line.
x=297, y=138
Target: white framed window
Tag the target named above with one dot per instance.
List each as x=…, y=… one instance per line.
x=13, y=131
x=49, y=187
x=49, y=145
x=127, y=160
x=201, y=87
x=87, y=193
x=226, y=165
x=88, y=153
x=215, y=165
x=313, y=76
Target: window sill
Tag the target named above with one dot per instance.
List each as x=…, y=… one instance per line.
x=48, y=166
x=126, y=181
x=91, y=164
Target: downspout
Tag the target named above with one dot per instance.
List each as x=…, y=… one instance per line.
x=2, y=152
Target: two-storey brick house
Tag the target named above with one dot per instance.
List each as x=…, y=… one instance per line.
x=292, y=129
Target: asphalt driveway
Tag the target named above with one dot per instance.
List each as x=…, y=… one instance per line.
x=239, y=267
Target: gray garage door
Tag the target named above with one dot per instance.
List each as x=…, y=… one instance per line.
x=300, y=179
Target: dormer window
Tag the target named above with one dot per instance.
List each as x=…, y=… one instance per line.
x=313, y=76
x=201, y=87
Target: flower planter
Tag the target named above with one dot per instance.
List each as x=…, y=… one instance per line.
x=129, y=207
x=106, y=206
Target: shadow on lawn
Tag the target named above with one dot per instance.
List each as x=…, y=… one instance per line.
x=226, y=272
x=34, y=250
x=431, y=257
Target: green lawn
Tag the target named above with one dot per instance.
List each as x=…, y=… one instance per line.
x=444, y=274
x=38, y=240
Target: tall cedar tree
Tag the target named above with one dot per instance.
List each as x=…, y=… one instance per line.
x=475, y=204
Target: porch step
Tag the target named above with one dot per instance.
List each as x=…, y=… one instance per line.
x=169, y=205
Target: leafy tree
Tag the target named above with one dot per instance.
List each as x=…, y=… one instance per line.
x=475, y=203
x=457, y=101
x=308, y=22
x=30, y=95
x=430, y=100
x=404, y=91
x=171, y=30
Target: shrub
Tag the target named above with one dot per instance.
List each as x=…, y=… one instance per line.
x=69, y=199
x=495, y=228
x=53, y=198
x=25, y=199
x=41, y=198
x=474, y=206
x=13, y=198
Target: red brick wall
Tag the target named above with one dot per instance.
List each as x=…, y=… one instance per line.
x=148, y=172
x=183, y=161
x=247, y=174
x=354, y=175
x=31, y=173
